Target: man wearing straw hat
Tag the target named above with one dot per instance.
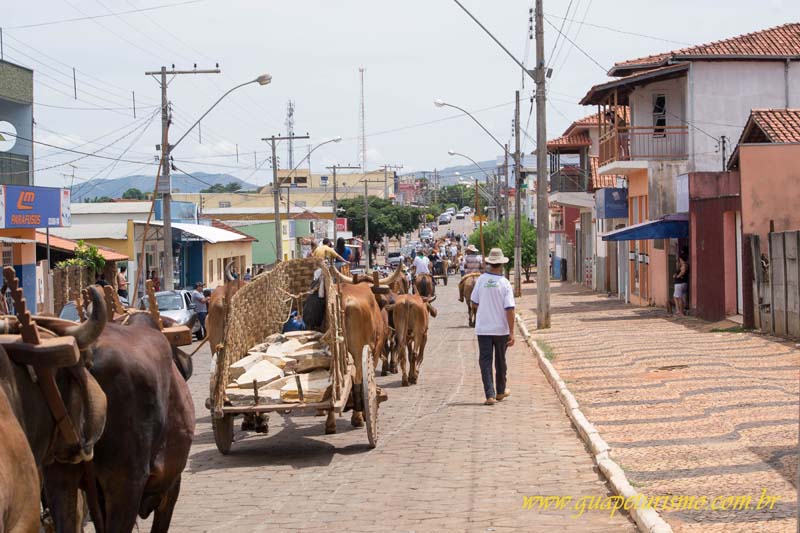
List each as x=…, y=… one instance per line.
x=494, y=324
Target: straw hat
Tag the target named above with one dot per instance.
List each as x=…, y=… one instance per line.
x=471, y=248
x=496, y=257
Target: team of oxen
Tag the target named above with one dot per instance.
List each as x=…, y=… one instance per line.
x=382, y=314
x=99, y=408
x=97, y=415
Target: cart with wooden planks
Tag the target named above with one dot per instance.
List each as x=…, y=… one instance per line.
x=258, y=310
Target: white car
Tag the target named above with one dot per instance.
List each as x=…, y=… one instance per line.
x=460, y=216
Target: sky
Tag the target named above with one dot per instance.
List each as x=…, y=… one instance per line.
x=413, y=52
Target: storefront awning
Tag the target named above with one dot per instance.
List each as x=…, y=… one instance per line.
x=669, y=227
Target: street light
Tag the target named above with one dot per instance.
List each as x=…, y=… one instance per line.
x=336, y=139
x=442, y=103
x=263, y=79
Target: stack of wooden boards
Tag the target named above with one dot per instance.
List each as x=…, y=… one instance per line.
x=272, y=371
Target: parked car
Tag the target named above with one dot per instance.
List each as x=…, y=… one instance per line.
x=426, y=233
x=451, y=210
x=394, y=259
x=176, y=305
x=70, y=311
x=466, y=209
x=460, y=216
x=444, y=218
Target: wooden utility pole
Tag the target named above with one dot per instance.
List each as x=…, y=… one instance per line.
x=480, y=218
x=333, y=169
x=164, y=185
x=517, y=204
x=542, y=200
x=276, y=191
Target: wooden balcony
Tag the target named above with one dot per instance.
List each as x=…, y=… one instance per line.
x=642, y=143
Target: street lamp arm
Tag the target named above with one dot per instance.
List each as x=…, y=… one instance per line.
x=334, y=140
x=501, y=145
x=488, y=176
x=209, y=110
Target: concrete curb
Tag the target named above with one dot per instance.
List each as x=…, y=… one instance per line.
x=647, y=520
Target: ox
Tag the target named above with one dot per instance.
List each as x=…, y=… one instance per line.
x=411, y=332
x=217, y=308
x=365, y=325
x=140, y=457
x=423, y=285
x=465, y=288
x=31, y=436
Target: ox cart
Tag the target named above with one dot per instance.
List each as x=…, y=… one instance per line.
x=257, y=312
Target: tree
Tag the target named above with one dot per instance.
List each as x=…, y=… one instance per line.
x=230, y=187
x=498, y=235
x=86, y=255
x=133, y=194
x=385, y=219
x=99, y=199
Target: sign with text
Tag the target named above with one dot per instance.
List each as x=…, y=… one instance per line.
x=341, y=224
x=34, y=207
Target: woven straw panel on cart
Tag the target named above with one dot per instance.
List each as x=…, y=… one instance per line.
x=261, y=307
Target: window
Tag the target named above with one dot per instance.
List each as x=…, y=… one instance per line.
x=327, y=203
x=219, y=268
x=300, y=203
x=659, y=115
x=210, y=271
x=224, y=204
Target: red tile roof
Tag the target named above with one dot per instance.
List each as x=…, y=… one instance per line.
x=779, y=125
x=598, y=181
x=777, y=42
x=68, y=245
x=570, y=141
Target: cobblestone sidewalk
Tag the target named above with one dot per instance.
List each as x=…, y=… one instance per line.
x=445, y=462
x=687, y=411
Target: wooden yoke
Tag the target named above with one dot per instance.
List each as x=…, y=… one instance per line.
x=152, y=303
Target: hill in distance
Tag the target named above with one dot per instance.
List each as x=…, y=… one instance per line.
x=114, y=188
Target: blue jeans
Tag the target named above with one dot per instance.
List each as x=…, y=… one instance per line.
x=493, y=347
x=201, y=317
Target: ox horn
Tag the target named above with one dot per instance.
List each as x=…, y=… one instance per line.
x=341, y=277
x=88, y=332
x=392, y=278
x=429, y=299
x=95, y=409
x=228, y=273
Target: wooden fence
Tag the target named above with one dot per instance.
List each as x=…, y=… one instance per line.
x=776, y=284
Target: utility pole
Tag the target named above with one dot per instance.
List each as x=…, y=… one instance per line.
x=480, y=219
x=542, y=200
x=276, y=191
x=334, y=168
x=517, y=204
x=386, y=169
x=164, y=185
x=505, y=174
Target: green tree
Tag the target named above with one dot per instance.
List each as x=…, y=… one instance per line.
x=498, y=235
x=99, y=199
x=229, y=187
x=133, y=194
x=385, y=219
x=86, y=255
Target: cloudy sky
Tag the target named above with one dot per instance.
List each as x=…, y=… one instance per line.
x=414, y=52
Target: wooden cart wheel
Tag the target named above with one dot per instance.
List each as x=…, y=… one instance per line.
x=370, y=395
x=223, y=433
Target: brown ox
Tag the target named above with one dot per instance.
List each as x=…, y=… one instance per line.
x=465, y=288
x=423, y=285
x=141, y=455
x=365, y=325
x=217, y=305
x=411, y=332
x=30, y=434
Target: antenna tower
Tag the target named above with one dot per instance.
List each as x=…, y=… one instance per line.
x=362, y=133
x=290, y=131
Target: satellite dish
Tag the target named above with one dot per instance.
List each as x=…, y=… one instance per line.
x=8, y=136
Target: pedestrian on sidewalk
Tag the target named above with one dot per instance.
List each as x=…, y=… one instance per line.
x=494, y=325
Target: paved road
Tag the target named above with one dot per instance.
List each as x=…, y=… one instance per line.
x=444, y=462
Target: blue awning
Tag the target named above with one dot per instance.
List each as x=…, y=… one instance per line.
x=669, y=227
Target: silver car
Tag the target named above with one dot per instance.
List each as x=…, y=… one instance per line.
x=176, y=305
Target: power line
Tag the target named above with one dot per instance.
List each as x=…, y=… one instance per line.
x=94, y=17
x=625, y=32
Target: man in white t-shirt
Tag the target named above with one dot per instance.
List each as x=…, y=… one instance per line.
x=494, y=324
x=421, y=264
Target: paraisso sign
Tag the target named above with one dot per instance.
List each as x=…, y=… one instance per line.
x=34, y=207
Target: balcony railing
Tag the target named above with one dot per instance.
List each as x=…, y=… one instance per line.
x=631, y=143
x=568, y=179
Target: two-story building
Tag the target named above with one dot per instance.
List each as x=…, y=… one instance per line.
x=680, y=112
